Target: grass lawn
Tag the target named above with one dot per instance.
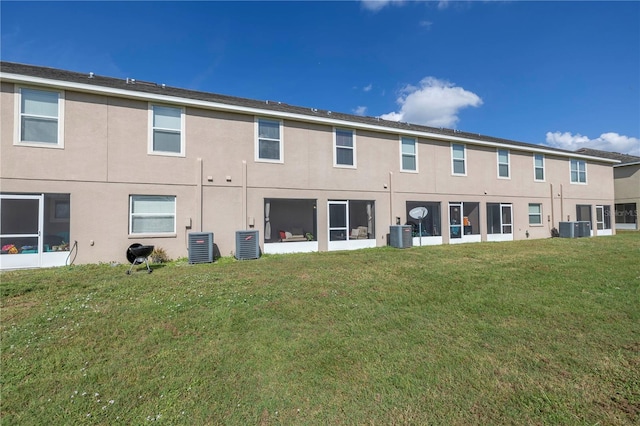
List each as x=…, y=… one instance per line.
x=526, y=332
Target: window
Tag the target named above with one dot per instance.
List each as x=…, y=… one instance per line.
x=345, y=147
x=603, y=217
x=535, y=214
x=458, y=159
x=538, y=167
x=499, y=219
x=578, y=171
x=167, y=124
x=430, y=224
x=40, y=117
x=269, y=140
x=464, y=219
x=503, y=163
x=409, y=154
x=152, y=214
x=626, y=213
x=351, y=220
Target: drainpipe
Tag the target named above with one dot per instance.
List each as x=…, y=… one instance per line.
x=561, y=203
x=553, y=216
x=199, y=204
x=244, y=194
x=391, y=198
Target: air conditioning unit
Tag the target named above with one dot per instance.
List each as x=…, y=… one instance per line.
x=200, y=247
x=400, y=236
x=568, y=230
x=247, y=245
x=584, y=228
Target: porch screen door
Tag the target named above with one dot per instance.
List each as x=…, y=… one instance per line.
x=21, y=219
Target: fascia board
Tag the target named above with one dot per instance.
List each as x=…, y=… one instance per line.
x=132, y=94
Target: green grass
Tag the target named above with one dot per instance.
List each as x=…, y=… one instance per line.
x=527, y=332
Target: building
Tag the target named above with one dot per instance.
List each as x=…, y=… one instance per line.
x=626, y=183
x=91, y=164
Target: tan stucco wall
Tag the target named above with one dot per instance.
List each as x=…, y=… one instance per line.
x=219, y=186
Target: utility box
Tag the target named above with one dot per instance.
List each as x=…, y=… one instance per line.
x=247, y=245
x=575, y=229
x=200, y=247
x=400, y=236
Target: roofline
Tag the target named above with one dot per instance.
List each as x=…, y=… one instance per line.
x=635, y=163
x=138, y=95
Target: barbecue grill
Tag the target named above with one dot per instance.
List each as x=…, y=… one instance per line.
x=138, y=254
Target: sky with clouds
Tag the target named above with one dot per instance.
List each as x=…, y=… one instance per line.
x=562, y=74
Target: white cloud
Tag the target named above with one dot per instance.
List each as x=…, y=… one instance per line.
x=434, y=103
x=425, y=24
x=361, y=110
x=376, y=5
x=367, y=88
x=612, y=142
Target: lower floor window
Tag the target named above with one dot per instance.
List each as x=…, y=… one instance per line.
x=464, y=219
x=499, y=219
x=351, y=220
x=429, y=225
x=152, y=214
x=626, y=213
x=289, y=220
x=535, y=214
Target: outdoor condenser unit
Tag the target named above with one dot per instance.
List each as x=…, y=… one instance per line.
x=584, y=228
x=200, y=247
x=247, y=245
x=575, y=229
x=400, y=236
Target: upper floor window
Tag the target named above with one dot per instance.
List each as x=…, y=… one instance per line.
x=503, y=163
x=269, y=140
x=152, y=214
x=40, y=117
x=578, y=171
x=458, y=159
x=538, y=167
x=167, y=130
x=345, y=148
x=409, y=154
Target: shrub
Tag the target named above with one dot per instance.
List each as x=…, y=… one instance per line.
x=158, y=255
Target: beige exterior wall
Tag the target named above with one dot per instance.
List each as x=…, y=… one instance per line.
x=627, y=187
x=221, y=188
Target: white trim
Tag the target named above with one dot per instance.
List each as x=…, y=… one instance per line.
x=427, y=241
x=150, y=130
x=415, y=156
x=353, y=148
x=291, y=247
x=171, y=233
x=586, y=178
x=508, y=163
x=544, y=171
x=499, y=237
x=257, y=141
x=473, y=238
x=351, y=244
x=17, y=128
x=88, y=88
x=453, y=173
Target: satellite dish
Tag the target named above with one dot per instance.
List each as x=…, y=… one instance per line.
x=419, y=213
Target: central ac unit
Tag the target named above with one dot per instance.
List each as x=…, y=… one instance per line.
x=200, y=247
x=247, y=245
x=400, y=236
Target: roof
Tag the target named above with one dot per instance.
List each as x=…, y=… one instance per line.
x=90, y=82
x=625, y=159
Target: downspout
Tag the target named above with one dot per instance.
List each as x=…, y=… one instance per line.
x=553, y=216
x=391, y=222
x=561, y=203
x=244, y=194
x=199, y=196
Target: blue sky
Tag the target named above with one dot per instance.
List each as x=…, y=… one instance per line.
x=564, y=74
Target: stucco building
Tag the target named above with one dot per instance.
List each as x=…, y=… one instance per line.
x=91, y=164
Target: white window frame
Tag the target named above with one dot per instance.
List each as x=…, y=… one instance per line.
x=498, y=151
x=413, y=155
x=463, y=159
x=536, y=167
x=162, y=233
x=578, y=171
x=601, y=211
x=150, y=149
x=280, y=140
x=17, y=137
x=538, y=214
x=336, y=147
